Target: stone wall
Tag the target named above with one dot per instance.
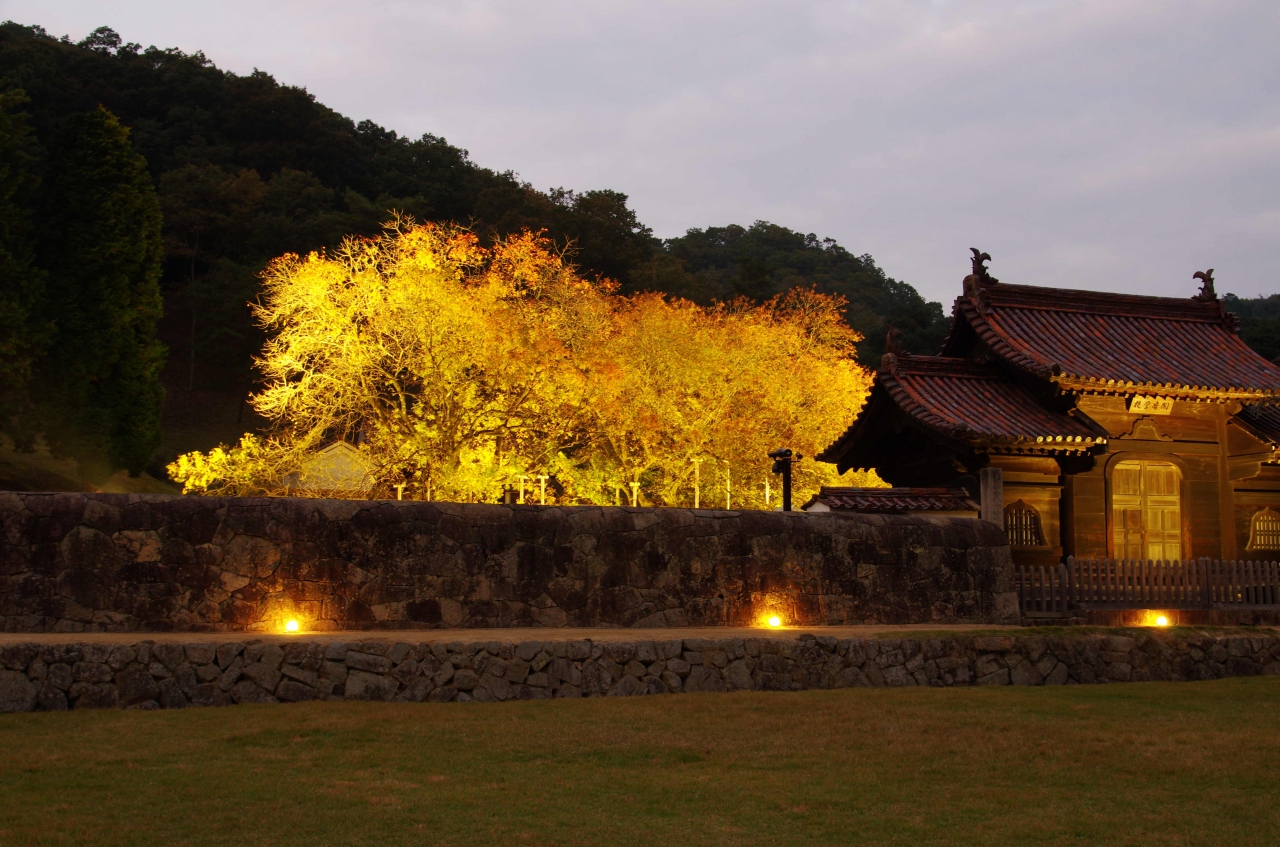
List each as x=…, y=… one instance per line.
x=103, y=562
x=151, y=675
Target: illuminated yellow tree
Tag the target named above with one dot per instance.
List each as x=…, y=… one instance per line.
x=716, y=389
x=457, y=368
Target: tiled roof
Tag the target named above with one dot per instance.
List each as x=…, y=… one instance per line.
x=894, y=500
x=971, y=402
x=1088, y=340
x=1263, y=420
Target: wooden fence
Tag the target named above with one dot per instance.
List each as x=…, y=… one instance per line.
x=1083, y=584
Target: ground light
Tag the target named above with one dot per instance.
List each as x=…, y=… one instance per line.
x=291, y=626
x=1161, y=620
x=775, y=621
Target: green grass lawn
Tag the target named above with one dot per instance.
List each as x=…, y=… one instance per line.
x=1141, y=764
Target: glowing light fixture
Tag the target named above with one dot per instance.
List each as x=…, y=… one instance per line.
x=1161, y=620
x=291, y=626
x=775, y=621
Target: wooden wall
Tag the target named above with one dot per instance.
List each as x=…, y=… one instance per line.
x=1037, y=481
x=1223, y=479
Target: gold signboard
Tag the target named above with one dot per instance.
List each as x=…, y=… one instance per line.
x=1144, y=405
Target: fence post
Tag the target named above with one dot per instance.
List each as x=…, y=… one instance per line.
x=1070, y=582
x=1206, y=593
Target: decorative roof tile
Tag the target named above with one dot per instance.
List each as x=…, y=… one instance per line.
x=1087, y=340
x=894, y=500
x=971, y=402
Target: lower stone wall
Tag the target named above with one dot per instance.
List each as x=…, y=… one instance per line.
x=152, y=675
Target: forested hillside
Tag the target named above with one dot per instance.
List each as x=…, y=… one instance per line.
x=246, y=169
x=97, y=135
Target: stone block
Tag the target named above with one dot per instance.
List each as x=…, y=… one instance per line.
x=702, y=678
x=405, y=672
x=227, y=653
x=272, y=655
x=50, y=699
x=628, y=686
x=773, y=681
x=496, y=686
x=248, y=691
x=896, y=676
x=200, y=654
x=367, y=662
x=293, y=691
x=443, y=695
x=231, y=675
x=262, y=674
x=170, y=694
x=17, y=692
x=517, y=671
x=91, y=672
x=987, y=664
x=135, y=685
x=1118, y=671
x=1024, y=673
x=122, y=655
x=93, y=695
x=170, y=655
x=738, y=675
x=620, y=651
x=209, y=694
x=59, y=676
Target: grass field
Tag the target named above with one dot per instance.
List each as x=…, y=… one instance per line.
x=1141, y=764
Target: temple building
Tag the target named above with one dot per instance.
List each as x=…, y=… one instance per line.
x=1090, y=424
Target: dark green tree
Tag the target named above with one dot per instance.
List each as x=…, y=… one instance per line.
x=22, y=335
x=98, y=386
x=1259, y=322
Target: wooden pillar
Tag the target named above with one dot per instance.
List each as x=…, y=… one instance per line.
x=991, y=482
x=1226, y=494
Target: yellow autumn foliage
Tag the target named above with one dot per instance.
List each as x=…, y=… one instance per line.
x=456, y=369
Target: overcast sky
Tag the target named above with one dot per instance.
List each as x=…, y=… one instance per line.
x=1090, y=144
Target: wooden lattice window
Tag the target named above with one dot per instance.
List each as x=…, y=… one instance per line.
x=1022, y=525
x=1264, y=530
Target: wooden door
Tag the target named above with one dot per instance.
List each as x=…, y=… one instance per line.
x=1146, y=512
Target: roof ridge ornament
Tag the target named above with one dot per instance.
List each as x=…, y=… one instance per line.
x=979, y=267
x=893, y=341
x=1207, y=294
x=980, y=276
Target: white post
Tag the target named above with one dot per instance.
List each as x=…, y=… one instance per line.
x=766, y=492
x=543, y=481
x=635, y=494
x=728, y=489
x=697, y=482
x=399, y=490
x=522, y=481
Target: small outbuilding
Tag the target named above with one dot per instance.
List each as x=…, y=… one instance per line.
x=938, y=502
x=1091, y=424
